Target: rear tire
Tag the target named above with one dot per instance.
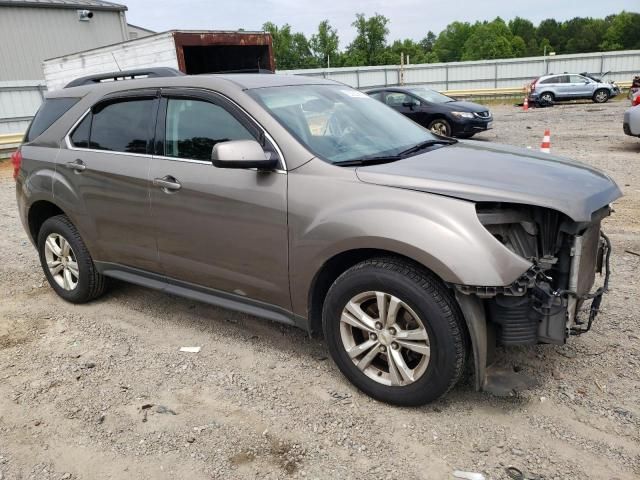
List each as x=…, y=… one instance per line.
x=600, y=96
x=66, y=261
x=416, y=354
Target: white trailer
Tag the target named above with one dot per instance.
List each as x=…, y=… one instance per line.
x=191, y=52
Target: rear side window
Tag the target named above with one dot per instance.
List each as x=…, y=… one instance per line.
x=50, y=111
x=123, y=126
x=80, y=136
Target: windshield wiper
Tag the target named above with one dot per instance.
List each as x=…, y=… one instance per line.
x=374, y=160
x=426, y=144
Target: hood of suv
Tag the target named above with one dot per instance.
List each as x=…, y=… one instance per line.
x=499, y=173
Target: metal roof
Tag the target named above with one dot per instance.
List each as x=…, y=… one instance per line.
x=73, y=4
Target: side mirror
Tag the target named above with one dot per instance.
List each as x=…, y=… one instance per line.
x=410, y=104
x=241, y=154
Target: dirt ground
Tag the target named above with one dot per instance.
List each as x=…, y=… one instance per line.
x=100, y=391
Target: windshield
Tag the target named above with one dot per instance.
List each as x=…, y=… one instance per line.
x=431, y=95
x=340, y=124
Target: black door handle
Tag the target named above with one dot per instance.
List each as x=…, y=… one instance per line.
x=78, y=166
x=167, y=183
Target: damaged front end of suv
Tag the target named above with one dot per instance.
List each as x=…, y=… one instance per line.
x=556, y=298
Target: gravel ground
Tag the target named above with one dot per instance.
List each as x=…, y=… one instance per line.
x=101, y=391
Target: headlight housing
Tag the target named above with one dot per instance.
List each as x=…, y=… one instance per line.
x=462, y=114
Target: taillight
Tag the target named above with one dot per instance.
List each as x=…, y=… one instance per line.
x=533, y=85
x=16, y=160
x=636, y=100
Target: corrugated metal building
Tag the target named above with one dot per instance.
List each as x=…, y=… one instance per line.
x=34, y=30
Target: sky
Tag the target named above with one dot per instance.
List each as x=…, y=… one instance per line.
x=409, y=18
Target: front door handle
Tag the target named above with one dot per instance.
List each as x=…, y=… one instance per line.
x=78, y=166
x=167, y=183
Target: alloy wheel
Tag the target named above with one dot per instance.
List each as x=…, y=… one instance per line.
x=439, y=128
x=601, y=96
x=61, y=261
x=385, y=338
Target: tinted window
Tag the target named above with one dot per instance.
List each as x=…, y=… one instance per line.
x=550, y=80
x=193, y=127
x=80, y=136
x=376, y=95
x=50, y=111
x=577, y=79
x=396, y=99
x=124, y=126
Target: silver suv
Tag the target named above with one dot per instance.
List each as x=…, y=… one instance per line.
x=568, y=86
x=309, y=203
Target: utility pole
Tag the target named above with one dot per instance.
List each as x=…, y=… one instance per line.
x=402, y=68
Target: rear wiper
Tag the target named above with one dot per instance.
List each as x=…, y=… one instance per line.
x=369, y=161
x=426, y=144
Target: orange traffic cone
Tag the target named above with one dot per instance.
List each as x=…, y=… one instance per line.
x=525, y=104
x=545, y=146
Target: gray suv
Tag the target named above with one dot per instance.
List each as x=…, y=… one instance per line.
x=309, y=203
x=568, y=86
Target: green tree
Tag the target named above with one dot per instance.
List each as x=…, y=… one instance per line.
x=551, y=30
x=291, y=50
x=623, y=32
x=324, y=44
x=523, y=28
x=371, y=39
x=428, y=42
x=450, y=43
x=490, y=40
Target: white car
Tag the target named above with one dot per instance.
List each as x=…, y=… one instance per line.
x=632, y=121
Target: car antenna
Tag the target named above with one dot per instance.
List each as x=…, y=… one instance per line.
x=116, y=61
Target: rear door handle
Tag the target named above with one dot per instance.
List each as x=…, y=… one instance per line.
x=167, y=183
x=78, y=165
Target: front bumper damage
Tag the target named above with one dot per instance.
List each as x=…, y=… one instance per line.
x=531, y=311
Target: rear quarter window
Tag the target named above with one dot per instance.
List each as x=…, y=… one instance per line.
x=50, y=111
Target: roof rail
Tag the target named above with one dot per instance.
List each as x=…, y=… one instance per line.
x=155, y=72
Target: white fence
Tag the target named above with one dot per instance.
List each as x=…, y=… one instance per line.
x=19, y=101
x=483, y=74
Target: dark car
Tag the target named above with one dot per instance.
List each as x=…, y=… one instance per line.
x=441, y=114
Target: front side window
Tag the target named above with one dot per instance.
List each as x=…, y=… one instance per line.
x=122, y=126
x=338, y=123
x=193, y=127
x=397, y=99
x=577, y=79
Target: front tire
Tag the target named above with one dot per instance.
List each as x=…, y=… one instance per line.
x=440, y=127
x=395, y=332
x=66, y=262
x=601, y=96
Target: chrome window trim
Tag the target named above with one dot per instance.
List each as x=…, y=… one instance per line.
x=71, y=146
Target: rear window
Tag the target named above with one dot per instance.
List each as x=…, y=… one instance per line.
x=50, y=111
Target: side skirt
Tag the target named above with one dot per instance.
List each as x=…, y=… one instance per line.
x=201, y=294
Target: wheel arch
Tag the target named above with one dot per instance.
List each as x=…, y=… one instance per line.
x=39, y=212
x=336, y=266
